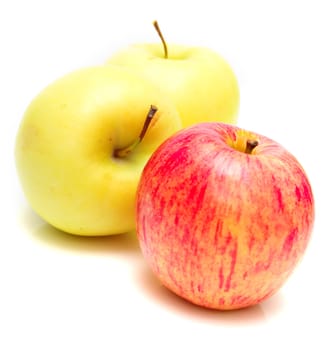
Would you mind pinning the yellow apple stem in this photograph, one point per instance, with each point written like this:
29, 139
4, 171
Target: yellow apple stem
125, 151
156, 26
251, 144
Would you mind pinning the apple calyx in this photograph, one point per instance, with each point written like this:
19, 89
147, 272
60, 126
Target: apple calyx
250, 145
125, 151
156, 26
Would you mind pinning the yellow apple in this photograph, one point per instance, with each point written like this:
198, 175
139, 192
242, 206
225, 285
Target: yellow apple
201, 83
78, 151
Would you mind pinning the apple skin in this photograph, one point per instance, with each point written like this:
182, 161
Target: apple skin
66, 141
201, 83
219, 227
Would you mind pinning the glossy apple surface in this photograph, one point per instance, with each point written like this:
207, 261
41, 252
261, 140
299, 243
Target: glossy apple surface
223, 215
65, 148
201, 83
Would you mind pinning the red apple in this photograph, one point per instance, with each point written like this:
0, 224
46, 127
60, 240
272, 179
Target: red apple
223, 215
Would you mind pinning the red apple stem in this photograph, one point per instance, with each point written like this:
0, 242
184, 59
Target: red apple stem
125, 151
157, 28
250, 145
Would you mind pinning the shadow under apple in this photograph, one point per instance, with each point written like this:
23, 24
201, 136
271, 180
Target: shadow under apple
127, 244
242, 317
47, 234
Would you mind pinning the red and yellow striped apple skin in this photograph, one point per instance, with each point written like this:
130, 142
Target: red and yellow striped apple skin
219, 227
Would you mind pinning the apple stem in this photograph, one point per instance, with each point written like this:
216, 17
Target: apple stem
152, 111
251, 144
125, 151
156, 26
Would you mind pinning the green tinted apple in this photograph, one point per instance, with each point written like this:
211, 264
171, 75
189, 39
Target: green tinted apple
201, 83
72, 153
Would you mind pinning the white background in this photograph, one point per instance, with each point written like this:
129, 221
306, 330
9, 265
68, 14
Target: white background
63, 292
